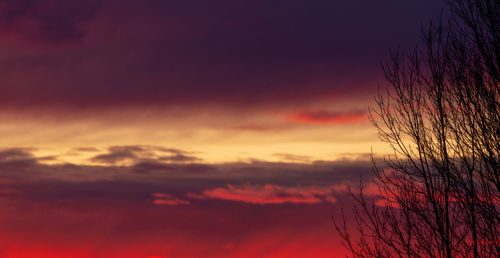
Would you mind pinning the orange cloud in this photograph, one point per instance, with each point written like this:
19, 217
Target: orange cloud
269, 194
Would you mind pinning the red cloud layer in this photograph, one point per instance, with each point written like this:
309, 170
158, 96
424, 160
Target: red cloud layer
122, 211
269, 194
133, 229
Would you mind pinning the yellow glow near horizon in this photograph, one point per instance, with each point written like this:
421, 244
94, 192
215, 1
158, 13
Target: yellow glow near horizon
318, 142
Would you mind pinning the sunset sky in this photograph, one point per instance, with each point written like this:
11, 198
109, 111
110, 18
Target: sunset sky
189, 128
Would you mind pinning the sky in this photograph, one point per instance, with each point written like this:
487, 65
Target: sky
194, 128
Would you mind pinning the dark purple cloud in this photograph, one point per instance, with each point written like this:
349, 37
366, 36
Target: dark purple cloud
16, 154
185, 52
142, 153
16, 158
46, 22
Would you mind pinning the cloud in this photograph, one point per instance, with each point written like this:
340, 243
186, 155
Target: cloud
179, 158
167, 199
255, 128
269, 194
106, 204
173, 169
21, 158
147, 163
168, 53
142, 154
329, 117
150, 166
292, 157
46, 21
15, 154
116, 154
86, 149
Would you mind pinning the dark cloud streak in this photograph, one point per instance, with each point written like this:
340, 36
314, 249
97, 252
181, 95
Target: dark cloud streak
236, 53
141, 153
45, 22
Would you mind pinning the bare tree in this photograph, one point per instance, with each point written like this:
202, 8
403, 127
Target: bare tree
439, 195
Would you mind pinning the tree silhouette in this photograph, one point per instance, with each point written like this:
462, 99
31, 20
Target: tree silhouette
439, 195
